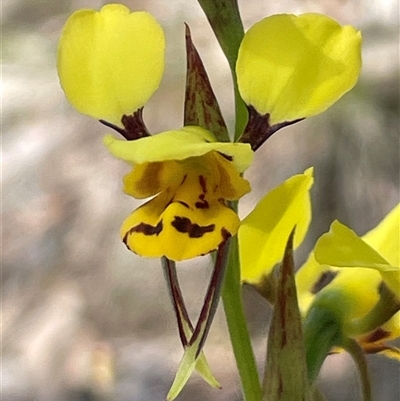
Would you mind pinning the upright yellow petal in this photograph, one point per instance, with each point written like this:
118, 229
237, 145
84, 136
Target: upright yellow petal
263, 233
297, 66
110, 62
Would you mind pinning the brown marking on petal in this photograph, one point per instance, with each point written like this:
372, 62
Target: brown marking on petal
225, 234
377, 335
183, 204
185, 226
227, 157
203, 184
125, 240
146, 229
323, 281
202, 204
184, 179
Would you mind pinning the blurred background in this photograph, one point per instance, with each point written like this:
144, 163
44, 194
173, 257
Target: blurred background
83, 318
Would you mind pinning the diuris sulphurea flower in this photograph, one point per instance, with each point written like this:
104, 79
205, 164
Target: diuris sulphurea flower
191, 177
110, 63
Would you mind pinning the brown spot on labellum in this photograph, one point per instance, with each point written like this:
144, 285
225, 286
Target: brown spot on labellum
185, 226
377, 335
184, 204
225, 234
323, 281
203, 184
202, 204
146, 229
227, 157
125, 240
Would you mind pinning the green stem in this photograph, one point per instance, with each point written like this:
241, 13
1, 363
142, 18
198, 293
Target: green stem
352, 347
240, 339
224, 18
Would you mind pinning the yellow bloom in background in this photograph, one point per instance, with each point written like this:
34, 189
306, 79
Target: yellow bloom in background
293, 67
344, 275
191, 177
264, 232
110, 61
377, 250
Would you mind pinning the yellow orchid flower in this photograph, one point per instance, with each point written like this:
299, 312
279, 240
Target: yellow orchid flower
110, 61
344, 275
292, 67
192, 177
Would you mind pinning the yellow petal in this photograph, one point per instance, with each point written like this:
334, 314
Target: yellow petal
384, 238
149, 179
178, 145
110, 62
263, 233
228, 182
342, 247
297, 66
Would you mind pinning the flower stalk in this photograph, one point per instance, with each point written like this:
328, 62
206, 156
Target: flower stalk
237, 326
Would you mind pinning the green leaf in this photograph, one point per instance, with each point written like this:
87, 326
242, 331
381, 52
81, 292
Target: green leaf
201, 105
285, 377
